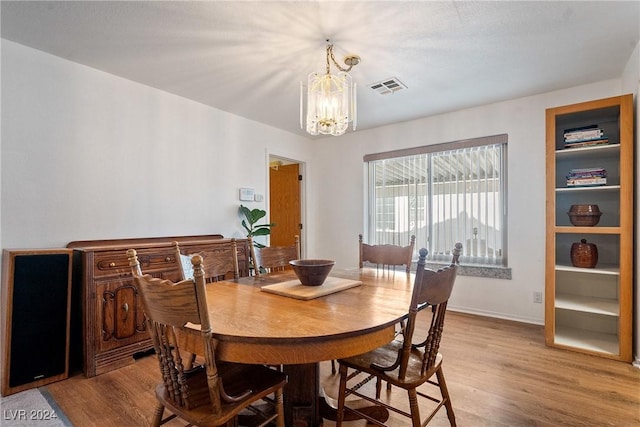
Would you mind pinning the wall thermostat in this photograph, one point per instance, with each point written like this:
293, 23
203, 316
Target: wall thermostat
247, 194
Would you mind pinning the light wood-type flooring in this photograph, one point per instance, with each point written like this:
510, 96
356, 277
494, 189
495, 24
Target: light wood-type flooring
499, 373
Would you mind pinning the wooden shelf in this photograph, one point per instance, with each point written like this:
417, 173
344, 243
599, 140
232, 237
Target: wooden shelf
571, 229
610, 270
589, 341
603, 306
588, 189
593, 151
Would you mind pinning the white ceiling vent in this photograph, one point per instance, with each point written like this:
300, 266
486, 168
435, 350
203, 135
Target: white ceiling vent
390, 85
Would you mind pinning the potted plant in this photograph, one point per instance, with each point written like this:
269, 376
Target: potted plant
250, 223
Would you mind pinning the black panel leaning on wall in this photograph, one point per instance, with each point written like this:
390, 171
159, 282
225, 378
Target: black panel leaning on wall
36, 305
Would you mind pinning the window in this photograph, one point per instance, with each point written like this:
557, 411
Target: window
442, 194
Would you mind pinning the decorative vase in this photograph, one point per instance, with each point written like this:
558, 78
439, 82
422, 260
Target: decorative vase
584, 215
583, 254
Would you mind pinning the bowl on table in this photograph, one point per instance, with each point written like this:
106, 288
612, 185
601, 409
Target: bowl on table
312, 272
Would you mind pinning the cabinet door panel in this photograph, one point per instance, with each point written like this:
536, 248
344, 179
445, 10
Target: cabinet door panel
120, 315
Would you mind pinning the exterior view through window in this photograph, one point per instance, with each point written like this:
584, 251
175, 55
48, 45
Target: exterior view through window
442, 194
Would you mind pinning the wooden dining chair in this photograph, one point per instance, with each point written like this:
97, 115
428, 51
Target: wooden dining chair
212, 394
270, 259
387, 256
402, 363
219, 261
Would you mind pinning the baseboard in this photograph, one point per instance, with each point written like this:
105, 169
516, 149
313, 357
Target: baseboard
635, 363
496, 315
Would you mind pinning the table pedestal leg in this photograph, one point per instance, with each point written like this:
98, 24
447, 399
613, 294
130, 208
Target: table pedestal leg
376, 412
303, 405
301, 395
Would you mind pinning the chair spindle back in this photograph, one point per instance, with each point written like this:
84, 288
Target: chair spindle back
275, 258
168, 308
431, 289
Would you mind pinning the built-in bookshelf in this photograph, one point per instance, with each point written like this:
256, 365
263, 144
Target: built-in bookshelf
590, 165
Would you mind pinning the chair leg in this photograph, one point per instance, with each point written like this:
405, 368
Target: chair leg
415, 410
341, 395
279, 408
445, 396
333, 367
157, 415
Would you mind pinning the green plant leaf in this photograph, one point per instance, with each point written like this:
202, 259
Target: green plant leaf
245, 211
261, 232
249, 223
256, 215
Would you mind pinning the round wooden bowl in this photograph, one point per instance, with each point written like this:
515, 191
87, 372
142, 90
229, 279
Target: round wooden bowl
312, 272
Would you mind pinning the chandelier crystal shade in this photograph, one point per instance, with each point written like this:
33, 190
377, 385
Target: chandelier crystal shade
331, 99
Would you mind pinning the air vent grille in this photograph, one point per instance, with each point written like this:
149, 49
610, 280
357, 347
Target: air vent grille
386, 86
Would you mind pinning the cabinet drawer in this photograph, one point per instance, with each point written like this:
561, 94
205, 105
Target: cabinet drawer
116, 263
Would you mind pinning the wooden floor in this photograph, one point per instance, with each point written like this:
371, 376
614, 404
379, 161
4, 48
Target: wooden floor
499, 373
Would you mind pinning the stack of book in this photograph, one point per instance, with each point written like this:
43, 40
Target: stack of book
584, 137
587, 177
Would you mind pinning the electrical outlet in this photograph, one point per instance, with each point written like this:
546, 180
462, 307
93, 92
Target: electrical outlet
537, 297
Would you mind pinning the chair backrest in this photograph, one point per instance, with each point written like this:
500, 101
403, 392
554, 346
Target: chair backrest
387, 255
430, 289
274, 258
218, 261
168, 307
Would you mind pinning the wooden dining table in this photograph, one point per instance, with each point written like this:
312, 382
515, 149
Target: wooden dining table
253, 326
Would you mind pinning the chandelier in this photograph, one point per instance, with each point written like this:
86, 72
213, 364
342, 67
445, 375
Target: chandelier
331, 98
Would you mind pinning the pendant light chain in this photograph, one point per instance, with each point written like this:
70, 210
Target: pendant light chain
330, 54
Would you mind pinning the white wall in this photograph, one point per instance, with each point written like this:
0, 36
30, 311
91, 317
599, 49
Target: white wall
88, 155
338, 201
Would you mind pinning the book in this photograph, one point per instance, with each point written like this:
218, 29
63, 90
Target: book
581, 128
586, 143
588, 171
584, 136
585, 182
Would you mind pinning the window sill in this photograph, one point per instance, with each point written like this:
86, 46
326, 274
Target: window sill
490, 271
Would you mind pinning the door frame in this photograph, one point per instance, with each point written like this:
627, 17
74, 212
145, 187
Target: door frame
271, 157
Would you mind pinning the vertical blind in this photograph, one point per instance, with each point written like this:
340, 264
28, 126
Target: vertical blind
454, 192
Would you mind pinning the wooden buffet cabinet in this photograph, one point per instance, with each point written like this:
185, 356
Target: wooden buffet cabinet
113, 327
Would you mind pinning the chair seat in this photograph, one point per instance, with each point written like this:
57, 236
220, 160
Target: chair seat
237, 378
386, 356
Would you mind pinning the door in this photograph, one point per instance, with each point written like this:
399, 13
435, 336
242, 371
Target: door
284, 203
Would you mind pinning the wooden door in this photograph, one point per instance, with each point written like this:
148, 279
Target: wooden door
284, 204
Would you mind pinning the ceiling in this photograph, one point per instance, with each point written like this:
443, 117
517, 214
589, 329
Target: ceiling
249, 57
